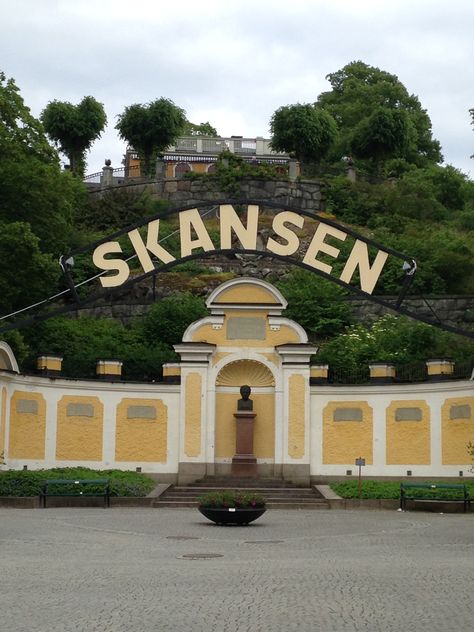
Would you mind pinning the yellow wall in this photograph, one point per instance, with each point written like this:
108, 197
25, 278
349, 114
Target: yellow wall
3, 419
408, 442
296, 416
456, 433
345, 441
264, 424
27, 430
139, 439
79, 438
192, 422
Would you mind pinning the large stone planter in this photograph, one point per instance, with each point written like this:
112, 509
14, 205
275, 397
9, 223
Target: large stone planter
232, 515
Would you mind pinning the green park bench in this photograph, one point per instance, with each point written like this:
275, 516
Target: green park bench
434, 492
98, 487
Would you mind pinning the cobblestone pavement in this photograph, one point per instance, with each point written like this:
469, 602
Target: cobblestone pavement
123, 570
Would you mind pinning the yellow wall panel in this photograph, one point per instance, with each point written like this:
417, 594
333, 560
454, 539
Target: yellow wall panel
27, 429
192, 422
296, 416
345, 441
79, 438
264, 424
138, 438
3, 422
456, 433
408, 442
246, 293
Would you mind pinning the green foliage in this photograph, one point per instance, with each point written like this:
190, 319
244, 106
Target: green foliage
82, 341
316, 304
303, 130
168, 319
33, 188
116, 209
231, 169
394, 339
143, 346
384, 134
149, 129
25, 266
203, 129
74, 128
30, 482
230, 498
391, 490
361, 93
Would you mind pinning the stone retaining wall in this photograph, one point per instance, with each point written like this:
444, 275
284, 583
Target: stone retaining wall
305, 195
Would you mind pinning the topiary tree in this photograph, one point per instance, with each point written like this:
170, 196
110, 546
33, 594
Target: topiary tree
74, 128
151, 128
305, 131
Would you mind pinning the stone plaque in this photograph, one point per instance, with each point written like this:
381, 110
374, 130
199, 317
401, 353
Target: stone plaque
141, 412
348, 414
29, 406
79, 410
242, 328
460, 412
408, 414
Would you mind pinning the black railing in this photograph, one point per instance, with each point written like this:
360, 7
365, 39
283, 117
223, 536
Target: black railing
411, 373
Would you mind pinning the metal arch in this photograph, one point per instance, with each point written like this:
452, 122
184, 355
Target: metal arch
409, 266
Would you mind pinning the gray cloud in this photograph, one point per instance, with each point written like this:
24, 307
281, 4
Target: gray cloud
234, 63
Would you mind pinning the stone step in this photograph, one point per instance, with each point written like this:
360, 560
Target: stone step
279, 497
226, 482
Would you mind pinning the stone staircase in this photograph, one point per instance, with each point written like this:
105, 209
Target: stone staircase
279, 494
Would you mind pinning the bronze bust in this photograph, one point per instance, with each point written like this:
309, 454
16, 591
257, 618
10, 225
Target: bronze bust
245, 403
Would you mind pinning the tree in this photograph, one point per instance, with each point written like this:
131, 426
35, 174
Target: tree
151, 128
33, 187
303, 130
384, 134
28, 275
316, 304
74, 128
360, 90
203, 129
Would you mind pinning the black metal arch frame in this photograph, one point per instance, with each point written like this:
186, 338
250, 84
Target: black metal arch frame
409, 265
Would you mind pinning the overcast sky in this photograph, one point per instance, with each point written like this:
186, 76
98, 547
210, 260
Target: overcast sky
234, 62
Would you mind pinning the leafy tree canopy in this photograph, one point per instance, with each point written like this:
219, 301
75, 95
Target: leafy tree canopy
203, 129
149, 129
361, 93
28, 275
74, 128
33, 188
316, 304
303, 130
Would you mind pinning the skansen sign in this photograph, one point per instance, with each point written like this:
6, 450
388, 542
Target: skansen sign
318, 250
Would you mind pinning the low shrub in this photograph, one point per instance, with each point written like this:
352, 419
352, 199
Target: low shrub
390, 490
30, 482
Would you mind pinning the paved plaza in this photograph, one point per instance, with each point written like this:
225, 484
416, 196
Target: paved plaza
123, 570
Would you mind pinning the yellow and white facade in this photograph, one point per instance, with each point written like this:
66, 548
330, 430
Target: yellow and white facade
184, 428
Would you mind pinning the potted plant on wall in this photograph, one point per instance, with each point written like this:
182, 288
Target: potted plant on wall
232, 507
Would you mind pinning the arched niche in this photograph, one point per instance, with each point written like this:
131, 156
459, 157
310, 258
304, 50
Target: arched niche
7, 358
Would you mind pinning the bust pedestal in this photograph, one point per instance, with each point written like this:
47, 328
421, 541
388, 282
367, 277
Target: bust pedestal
244, 462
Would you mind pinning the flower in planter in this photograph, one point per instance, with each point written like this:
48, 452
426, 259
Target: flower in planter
231, 498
